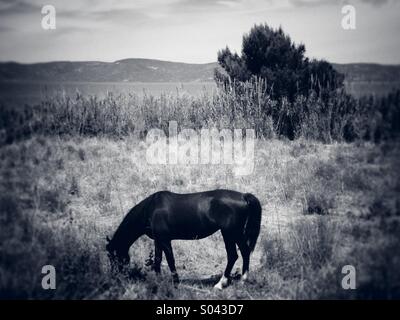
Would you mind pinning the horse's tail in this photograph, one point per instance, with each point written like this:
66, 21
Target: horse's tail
253, 222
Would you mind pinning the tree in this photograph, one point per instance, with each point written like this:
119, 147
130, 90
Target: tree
270, 54
322, 78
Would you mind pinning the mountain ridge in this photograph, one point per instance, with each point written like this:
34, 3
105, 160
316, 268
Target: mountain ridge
153, 70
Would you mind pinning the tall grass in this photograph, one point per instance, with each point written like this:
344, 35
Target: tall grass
334, 116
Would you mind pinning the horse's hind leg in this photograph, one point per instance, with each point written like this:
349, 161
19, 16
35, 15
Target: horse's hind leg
245, 252
230, 247
166, 246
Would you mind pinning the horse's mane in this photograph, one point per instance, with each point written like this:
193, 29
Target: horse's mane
132, 223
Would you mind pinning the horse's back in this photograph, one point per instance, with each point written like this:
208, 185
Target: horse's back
199, 202
196, 215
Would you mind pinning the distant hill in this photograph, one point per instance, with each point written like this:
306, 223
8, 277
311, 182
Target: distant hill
128, 70
360, 78
369, 72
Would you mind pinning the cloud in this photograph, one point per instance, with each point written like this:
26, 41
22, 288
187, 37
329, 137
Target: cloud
376, 3
314, 3
5, 28
204, 5
11, 7
73, 16
87, 9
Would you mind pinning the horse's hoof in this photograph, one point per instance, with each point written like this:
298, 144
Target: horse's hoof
244, 277
218, 286
222, 283
175, 279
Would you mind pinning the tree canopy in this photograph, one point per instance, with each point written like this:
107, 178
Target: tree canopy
271, 54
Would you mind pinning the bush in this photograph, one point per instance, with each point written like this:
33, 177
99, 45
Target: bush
271, 55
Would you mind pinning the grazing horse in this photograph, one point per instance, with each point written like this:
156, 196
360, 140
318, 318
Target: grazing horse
166, 216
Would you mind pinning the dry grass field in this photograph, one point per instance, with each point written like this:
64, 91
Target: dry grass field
324, 206
79, 120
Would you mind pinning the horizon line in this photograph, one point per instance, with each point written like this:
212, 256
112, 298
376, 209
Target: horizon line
169, 61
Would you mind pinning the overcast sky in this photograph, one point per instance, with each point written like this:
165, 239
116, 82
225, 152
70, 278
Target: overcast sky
193, 30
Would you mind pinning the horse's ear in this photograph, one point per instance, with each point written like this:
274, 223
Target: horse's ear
108, 239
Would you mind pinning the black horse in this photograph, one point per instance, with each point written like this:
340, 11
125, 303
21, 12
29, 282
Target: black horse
165, 216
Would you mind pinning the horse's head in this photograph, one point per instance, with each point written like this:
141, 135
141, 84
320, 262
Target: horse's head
118, 259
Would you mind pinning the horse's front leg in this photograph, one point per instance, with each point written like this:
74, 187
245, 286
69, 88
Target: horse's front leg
167, 248
158, 257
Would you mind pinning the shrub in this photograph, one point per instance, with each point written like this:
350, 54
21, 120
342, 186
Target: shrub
271, 55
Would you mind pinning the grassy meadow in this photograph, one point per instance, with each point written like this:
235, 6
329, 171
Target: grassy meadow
324, 206
71, 169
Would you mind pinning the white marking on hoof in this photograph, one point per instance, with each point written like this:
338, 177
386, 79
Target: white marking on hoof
244, 277
223, 282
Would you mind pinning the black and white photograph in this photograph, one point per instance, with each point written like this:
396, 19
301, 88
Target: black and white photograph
225, 150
